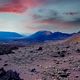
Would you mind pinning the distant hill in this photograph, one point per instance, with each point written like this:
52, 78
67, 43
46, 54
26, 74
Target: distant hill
41, 36
9, 35
74, 38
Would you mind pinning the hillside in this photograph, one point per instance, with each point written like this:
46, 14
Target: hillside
8, 36
42, 36
74, 38
43, 61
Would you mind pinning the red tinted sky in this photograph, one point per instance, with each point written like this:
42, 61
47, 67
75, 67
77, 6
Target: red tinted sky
27, 16
17, 5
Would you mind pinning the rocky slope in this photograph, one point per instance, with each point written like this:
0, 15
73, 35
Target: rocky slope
45, 61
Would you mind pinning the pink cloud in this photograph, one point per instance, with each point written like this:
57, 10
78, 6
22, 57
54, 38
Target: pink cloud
18, 5
65, 25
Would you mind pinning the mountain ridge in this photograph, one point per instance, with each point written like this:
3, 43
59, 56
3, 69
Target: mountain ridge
9, 35
42, 36
39, 36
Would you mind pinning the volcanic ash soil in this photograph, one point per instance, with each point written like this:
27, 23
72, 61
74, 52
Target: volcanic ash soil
43, 61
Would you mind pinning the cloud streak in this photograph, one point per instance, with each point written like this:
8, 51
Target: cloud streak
51, 14
17, 5
34, 15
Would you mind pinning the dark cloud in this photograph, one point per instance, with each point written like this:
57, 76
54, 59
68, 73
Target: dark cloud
45, 14
3, 2
51, 14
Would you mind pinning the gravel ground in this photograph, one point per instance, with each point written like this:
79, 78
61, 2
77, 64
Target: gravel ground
45, 61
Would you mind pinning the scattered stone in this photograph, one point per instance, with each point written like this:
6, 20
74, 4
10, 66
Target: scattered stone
39, 49
61, 53
77, 76
31, 51
78, 50
63, 73
68, 47
0, 59
5, 64
33, 70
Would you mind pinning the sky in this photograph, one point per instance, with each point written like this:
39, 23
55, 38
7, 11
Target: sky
29, 16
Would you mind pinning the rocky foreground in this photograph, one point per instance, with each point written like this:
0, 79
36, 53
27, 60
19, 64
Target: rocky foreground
43, 61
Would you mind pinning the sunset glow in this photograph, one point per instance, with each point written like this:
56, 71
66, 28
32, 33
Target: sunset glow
28, 16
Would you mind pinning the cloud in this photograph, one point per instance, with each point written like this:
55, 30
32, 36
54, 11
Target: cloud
11, 6
17, 5
47, 14
34, 15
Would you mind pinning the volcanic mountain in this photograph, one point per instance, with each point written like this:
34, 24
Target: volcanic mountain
9, 35
41, 36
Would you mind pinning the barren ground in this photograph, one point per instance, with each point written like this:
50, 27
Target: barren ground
45, 61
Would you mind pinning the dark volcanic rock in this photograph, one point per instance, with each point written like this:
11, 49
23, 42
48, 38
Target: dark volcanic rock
59, 54
7, 49
62, 53
5, 65
64, 73
9, 75
40, 48
55, 74
2, 72
78, 50
33, 70
0, 59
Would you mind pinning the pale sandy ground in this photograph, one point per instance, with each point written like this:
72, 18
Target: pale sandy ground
45, 64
